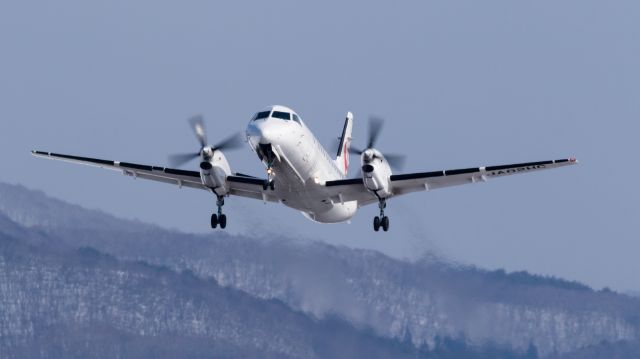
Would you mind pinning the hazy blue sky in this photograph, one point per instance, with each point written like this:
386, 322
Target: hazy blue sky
461, 83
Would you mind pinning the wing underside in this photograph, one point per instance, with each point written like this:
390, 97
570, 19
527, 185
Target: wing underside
250, 187
411, 182
155, 173
344, 190
354, 189
239, 184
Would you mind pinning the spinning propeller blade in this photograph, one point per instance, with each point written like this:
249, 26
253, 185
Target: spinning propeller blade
232, 142
197, 125
178, 160
396, 161
375, 127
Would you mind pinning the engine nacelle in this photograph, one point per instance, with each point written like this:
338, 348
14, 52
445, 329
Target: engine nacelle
214, 173
376, 173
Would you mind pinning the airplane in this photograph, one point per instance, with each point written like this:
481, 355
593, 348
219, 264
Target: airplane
300, 173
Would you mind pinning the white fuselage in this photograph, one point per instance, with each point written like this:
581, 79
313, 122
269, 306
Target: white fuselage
300, 165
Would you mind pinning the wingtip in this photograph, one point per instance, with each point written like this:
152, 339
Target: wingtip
574, 160
39, 153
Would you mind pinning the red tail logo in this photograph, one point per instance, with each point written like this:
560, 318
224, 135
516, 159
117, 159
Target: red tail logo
345, 154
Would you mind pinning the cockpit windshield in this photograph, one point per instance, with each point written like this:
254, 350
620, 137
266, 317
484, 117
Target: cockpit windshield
281, 115
261, 115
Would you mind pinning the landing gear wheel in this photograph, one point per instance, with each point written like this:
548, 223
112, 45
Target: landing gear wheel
384, 222
270, 174
376, 223
219, 218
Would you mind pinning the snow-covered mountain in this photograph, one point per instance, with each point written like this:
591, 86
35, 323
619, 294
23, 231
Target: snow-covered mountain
396, 304
86, 304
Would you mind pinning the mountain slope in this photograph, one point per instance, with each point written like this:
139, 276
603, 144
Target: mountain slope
419, 302
88, 304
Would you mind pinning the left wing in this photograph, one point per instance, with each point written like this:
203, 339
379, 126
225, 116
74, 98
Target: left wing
354, 189
412, 182
346, 190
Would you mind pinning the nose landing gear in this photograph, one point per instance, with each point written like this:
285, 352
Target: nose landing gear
382, 220
219, 218
269, 183
268, 156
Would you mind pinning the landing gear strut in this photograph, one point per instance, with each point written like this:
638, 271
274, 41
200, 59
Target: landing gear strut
382, 220
269, 183
268, 156
219, 218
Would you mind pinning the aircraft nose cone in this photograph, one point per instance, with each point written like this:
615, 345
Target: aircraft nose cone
261, 133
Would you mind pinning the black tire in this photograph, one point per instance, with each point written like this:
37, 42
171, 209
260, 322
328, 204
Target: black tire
214, 220
223, 221
272, 185
265, 186
385, 223
376, 223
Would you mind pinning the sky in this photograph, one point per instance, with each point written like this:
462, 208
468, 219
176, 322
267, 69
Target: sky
460, 84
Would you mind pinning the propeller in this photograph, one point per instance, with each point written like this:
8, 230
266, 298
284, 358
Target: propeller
375, 127
197, 125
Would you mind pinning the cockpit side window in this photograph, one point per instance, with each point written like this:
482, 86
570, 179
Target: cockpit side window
281, 115
296, 118
261, 115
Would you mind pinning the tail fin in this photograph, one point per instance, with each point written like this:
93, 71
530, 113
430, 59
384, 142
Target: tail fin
342, 158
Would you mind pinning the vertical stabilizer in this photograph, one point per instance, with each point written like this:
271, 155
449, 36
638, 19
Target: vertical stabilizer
342, 158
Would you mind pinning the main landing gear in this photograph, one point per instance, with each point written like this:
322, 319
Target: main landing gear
219, 218
382, 220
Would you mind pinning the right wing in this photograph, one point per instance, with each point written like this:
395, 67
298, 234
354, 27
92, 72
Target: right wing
154, 173
239, 184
